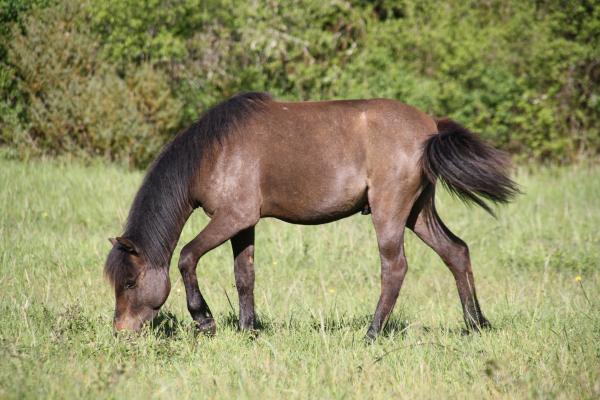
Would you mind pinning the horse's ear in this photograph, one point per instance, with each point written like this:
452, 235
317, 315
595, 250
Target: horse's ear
113, 241
125, 244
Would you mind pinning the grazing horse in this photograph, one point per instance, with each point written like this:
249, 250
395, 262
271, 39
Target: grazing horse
252, 157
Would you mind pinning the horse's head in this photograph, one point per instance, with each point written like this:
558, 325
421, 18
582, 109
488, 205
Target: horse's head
140, 289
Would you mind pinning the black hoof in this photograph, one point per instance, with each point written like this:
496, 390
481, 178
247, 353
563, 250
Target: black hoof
252, 334
370, 337
247, 326
485, 324
207, 326
482, 324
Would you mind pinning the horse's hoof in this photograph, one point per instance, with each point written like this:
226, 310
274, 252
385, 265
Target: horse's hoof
251, 333
247, 327
207, 326
476, 327
485, 324
370, 337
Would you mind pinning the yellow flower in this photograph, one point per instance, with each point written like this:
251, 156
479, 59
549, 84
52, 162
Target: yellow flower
331, 290
578, 278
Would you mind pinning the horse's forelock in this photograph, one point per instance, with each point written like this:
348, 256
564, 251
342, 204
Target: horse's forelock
116, 268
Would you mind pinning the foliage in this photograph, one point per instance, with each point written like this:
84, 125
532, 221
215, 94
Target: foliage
145, 31
526, 75
78, 104
12, 105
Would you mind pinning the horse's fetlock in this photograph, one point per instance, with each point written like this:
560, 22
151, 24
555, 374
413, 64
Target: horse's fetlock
194, 307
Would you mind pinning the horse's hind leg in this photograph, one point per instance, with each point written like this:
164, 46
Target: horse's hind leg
455, 254
389, 221
222, 227
242, 245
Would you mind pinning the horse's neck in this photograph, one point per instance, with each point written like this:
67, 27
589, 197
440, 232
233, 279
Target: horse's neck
177, 234
163, 204
156, 222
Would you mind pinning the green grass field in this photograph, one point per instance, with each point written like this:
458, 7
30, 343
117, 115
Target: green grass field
315, 292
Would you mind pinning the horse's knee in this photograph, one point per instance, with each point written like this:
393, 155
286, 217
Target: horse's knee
402, 268
187, 261
395, 270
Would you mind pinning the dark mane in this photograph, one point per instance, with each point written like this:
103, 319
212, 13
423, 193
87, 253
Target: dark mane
163, 202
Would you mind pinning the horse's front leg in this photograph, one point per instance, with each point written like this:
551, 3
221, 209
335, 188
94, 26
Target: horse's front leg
222, 227
242, 245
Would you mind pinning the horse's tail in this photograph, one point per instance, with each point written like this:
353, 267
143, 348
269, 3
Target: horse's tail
469, 168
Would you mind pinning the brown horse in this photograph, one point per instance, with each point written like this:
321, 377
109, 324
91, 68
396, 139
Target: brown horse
251, 157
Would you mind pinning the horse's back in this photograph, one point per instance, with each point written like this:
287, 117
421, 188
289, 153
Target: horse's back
312, 162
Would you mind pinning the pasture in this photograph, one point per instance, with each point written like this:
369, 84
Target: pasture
537, 269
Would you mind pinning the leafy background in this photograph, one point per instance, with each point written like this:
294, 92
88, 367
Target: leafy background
117, 78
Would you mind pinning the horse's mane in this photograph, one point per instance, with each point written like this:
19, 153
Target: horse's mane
163, 201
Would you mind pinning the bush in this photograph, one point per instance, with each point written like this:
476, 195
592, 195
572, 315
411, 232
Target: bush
77, 104
118, 78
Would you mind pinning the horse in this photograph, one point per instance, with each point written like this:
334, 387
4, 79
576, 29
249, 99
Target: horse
253, 157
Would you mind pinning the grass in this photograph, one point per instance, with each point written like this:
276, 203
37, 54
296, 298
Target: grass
316, 290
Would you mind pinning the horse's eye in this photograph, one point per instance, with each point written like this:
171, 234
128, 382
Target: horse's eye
130, 284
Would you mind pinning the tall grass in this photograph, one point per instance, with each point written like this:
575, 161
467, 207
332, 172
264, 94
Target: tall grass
316, 290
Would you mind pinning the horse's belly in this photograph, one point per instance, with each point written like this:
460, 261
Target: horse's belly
315, 198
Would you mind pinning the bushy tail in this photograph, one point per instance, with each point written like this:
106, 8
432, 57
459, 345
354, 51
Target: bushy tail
469, 168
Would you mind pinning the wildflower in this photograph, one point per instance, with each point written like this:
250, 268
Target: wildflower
578, 280
331, 290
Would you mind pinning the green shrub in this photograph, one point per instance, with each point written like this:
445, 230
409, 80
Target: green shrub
77, 104
12, 105
118, 78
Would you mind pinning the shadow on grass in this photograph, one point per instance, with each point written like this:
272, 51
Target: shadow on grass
168, 325
263, 325
455, 331
395, 325
329, 324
